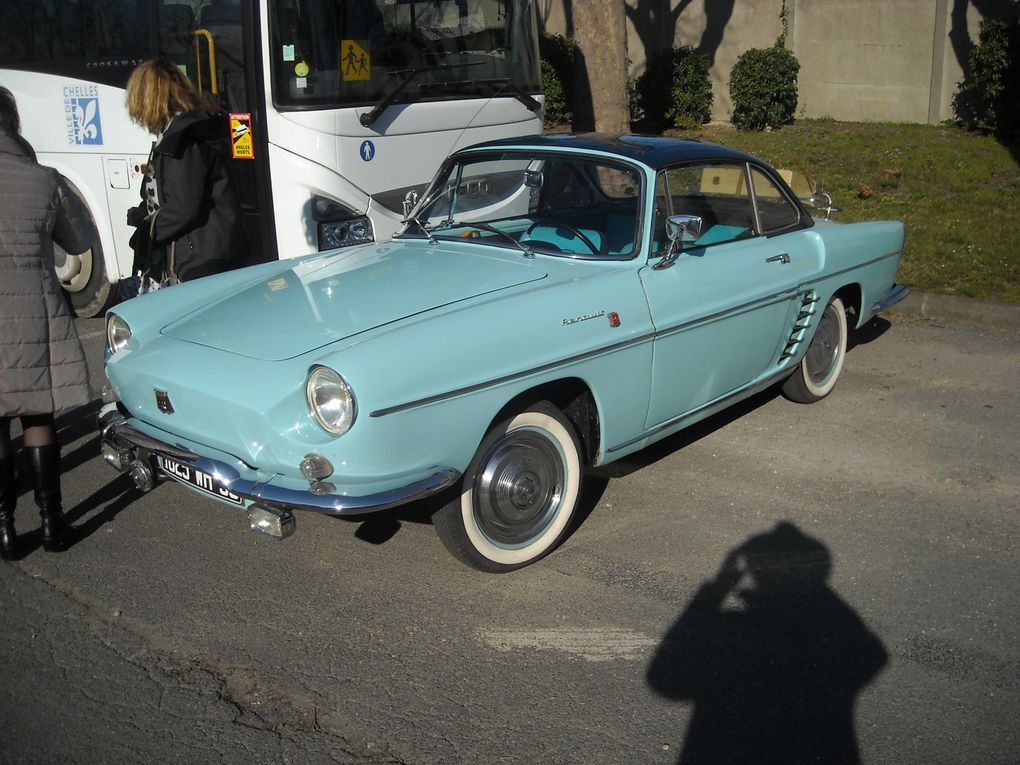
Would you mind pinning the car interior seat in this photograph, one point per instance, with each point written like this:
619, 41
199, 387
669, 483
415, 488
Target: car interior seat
563, 239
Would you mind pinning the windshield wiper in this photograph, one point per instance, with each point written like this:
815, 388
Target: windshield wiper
500, 83
486, 227
368, 118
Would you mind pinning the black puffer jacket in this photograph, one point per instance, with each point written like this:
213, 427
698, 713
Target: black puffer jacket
42, 367
199, 218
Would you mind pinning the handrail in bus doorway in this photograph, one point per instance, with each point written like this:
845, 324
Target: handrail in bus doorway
211, 47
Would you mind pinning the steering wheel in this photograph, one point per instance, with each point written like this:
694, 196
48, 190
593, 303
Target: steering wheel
560, 224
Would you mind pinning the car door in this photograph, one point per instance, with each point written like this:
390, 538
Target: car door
724, 307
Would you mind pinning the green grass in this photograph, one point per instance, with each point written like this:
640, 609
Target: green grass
957, 193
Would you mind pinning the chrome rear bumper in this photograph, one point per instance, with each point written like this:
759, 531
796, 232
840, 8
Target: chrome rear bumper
895, 294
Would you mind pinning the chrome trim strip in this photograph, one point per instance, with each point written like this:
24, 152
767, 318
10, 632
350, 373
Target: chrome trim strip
854, 268
720, 403
227, 477
512, 376
743, 308
777, 297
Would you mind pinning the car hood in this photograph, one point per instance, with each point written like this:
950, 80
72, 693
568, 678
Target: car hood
326, 298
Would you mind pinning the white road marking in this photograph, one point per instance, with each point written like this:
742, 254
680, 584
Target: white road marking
595, 644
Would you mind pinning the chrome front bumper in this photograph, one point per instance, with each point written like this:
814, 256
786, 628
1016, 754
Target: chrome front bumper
128, 449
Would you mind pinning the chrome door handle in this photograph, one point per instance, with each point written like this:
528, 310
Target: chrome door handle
780, 258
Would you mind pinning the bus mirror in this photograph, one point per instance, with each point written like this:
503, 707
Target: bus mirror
410, 201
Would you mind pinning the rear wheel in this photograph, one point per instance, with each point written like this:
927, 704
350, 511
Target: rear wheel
83, 276
818, 371
519, 494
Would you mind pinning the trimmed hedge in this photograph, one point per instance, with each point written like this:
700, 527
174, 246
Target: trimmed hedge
763, 88
674, 91
987, 98
557, 59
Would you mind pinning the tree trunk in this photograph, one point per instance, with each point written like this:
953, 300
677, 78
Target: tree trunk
600, 31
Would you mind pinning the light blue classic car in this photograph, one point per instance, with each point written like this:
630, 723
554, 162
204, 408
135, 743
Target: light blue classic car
555, 303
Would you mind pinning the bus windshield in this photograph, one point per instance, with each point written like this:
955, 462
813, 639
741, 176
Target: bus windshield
358, 52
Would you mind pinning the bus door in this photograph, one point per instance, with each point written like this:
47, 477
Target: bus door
216, 48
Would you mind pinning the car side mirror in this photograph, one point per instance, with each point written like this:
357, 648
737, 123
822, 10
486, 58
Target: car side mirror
681, 230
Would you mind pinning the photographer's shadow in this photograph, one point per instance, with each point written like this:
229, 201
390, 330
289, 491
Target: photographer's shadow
770, 657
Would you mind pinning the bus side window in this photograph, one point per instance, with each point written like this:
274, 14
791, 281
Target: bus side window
176, 35
222, 19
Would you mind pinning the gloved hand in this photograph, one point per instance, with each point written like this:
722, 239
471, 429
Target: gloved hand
136, 215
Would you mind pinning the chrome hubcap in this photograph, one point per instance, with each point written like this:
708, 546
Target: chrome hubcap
519, 489
824, 349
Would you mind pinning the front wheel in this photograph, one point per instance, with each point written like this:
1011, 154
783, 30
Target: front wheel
519, 494
818, 371
83, 277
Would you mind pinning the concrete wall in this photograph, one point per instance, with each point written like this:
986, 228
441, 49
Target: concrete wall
861, 60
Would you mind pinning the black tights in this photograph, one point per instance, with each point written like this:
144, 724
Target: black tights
39, 431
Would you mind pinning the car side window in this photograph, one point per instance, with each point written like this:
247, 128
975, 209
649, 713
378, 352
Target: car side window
717, 193
775, 209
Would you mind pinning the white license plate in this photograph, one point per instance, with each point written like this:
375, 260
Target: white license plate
197, 479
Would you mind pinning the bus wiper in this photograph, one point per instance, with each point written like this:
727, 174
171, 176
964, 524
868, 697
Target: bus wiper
368, 118
501, 83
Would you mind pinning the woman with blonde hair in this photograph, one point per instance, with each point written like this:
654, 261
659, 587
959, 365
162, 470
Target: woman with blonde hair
189, 221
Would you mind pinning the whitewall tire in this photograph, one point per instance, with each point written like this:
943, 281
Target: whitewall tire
818, 371
519, 494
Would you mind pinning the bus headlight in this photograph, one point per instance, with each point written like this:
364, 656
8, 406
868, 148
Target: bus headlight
117, 333
330, 400
344, 233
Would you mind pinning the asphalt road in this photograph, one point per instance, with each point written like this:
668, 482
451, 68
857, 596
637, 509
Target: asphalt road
879, 614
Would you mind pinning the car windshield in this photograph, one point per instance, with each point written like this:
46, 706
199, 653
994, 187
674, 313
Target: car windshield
565, 205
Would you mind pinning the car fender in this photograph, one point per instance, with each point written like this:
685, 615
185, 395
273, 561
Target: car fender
435, 383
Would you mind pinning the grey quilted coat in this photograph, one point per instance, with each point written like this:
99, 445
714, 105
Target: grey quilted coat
42, 366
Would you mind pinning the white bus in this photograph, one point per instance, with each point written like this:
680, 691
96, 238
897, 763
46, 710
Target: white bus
339, 108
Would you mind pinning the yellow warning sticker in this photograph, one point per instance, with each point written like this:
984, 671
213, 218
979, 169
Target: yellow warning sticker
355, 60
241, 144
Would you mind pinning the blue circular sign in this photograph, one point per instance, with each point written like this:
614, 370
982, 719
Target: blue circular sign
367, 150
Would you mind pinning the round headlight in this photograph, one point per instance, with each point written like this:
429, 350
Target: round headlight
117, 333
330, 400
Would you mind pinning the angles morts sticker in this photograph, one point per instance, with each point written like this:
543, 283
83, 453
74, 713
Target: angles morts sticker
241, 144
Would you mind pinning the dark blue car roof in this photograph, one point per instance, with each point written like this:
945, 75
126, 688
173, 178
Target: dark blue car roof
655, 151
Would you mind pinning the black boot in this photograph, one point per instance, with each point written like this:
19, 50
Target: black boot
44, 469
8, 501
